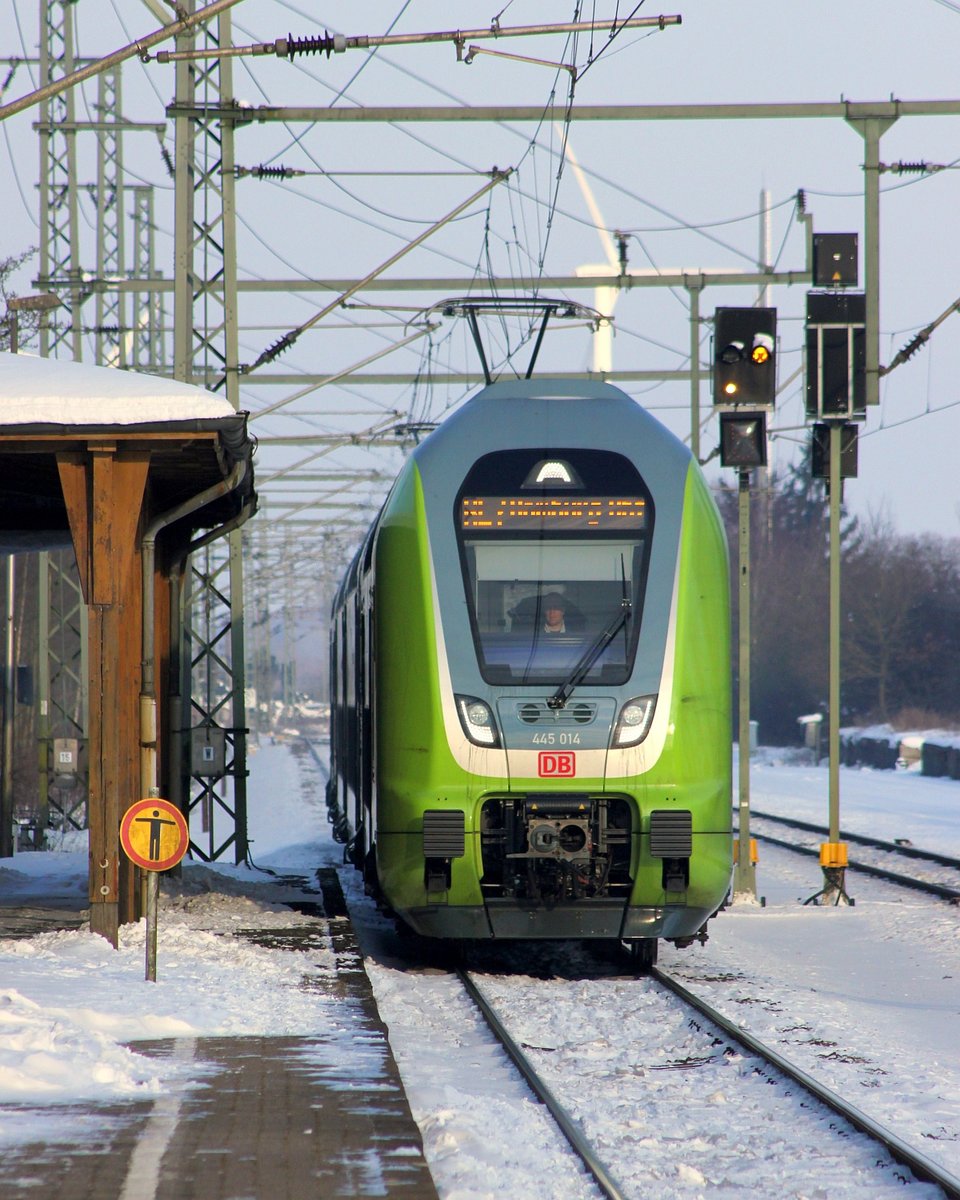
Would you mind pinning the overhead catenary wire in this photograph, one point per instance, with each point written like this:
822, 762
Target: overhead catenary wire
332, 378
919, 339
366, 62
531, 143
288, 339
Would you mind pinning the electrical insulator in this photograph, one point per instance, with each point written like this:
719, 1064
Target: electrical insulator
328, 43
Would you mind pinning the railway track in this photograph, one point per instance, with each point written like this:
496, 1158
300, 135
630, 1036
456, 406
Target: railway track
921, 1166
565, 1123
706, 1043
721, 1032
942, 864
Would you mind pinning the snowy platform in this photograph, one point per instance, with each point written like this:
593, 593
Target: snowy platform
280, 1117
321, 1113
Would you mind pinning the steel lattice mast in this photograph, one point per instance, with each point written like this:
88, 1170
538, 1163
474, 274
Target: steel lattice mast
205, 352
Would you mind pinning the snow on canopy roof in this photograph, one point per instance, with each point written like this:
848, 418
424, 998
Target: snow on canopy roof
48, 391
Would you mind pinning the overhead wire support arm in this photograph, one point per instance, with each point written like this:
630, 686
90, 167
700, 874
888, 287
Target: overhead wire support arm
919, 340
288, 339
337, 43
327, 379
473, 51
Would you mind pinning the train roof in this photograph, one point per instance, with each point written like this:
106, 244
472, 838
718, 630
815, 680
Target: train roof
561, 412
546, 387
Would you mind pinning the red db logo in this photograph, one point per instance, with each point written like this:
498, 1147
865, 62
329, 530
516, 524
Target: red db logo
553, 764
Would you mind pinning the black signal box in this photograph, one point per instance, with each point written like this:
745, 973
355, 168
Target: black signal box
836, 355
743, 440
820, 451
835, 260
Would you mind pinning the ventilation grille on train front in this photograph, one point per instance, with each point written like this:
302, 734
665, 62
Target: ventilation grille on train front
443, 834
671, 834
534, 712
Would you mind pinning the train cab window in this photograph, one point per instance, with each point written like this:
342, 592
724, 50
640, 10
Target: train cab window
550, 568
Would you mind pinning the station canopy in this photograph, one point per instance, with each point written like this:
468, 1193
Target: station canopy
51, 408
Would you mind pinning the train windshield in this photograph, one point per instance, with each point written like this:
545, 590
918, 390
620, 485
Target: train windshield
552, 546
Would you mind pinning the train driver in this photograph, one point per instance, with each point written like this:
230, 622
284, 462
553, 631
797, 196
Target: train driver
554, 611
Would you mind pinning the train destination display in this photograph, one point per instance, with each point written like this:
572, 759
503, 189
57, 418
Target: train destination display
557, 512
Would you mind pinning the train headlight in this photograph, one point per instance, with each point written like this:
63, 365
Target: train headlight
477, 720
636, 717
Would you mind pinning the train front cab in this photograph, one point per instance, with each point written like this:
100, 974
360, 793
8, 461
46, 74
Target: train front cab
556, 786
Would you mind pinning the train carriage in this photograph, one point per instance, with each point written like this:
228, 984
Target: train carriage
530, 678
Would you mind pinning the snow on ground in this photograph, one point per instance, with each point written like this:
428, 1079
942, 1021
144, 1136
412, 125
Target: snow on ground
882, 804
69, 1002
866, 998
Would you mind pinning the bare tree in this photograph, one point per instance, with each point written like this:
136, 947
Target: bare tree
28, 322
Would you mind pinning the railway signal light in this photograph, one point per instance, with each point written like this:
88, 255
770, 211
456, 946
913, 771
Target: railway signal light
743, 440
834, 260
745, 357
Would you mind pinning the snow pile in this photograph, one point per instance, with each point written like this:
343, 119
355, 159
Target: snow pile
40, 391
45, 1053
69, 1001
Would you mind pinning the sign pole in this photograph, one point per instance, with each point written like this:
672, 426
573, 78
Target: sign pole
153, 891
745, 873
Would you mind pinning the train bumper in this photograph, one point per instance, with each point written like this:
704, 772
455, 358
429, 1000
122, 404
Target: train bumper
506, 919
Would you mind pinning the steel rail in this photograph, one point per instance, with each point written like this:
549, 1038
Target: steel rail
922, 1167
318, 759
907, 881
861, 839
580, 1146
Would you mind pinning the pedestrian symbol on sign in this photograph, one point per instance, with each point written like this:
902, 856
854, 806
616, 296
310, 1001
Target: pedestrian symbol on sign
156, 823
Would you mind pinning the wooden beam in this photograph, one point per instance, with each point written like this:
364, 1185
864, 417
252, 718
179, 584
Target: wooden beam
104, 493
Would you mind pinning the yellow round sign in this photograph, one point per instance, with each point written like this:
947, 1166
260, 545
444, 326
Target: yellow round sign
154, 834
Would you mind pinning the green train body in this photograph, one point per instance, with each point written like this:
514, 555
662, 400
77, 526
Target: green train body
494, 778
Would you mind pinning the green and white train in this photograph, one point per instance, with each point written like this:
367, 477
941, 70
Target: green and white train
530, 678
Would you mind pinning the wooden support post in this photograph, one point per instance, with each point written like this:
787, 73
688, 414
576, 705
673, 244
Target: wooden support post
104, 489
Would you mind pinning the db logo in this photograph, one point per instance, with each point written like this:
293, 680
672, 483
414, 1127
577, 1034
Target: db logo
552, 764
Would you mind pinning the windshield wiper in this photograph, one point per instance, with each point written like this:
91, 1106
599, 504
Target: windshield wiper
590, 655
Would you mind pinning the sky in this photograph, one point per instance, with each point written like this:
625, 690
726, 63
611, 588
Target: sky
686, 195
814, 982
